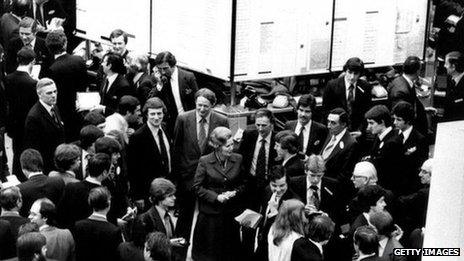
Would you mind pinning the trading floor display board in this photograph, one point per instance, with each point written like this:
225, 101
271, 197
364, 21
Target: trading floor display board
380, 32
277, 38
95, 20
197, 32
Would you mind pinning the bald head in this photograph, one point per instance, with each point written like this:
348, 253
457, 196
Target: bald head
364, 173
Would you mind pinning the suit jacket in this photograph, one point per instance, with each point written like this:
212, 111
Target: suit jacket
70, 75
13, 222
454, 102
7, 241
294, 167
388, 252
40, 186
144, 161
21, 95
329, 194
186, 150
305, 250
60, 243
42, 133
9, 26
335, 97
400, 90
118, 88
73, 206
96, 239
341, 161
387, 156
317, 135
211, 180
415, 151
43, 56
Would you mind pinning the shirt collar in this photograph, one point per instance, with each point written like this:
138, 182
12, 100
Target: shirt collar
340, 135
366, 216
318, 185
384, 133
299, 125
33, 43
285, 161
406, 133
347, 84
319, 245
362, 256
112, 78
23, 68
382, 244
32, 174
411, 84
458, 77
175, 73
98, 216
161, 211
93, 180
207, 118
9, 213
154, 130
267, 138
71, 173
60, 54
46, 106
43, 227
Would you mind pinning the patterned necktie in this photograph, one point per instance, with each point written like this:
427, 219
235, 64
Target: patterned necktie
328, 149
350, 99
315, 196
261, 161
163, 151
54, 116
202, 135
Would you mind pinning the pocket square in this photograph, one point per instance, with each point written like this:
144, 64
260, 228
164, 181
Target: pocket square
51, 12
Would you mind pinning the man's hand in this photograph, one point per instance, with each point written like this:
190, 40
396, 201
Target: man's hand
178, 242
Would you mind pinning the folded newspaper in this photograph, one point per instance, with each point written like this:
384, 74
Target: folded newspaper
249, 218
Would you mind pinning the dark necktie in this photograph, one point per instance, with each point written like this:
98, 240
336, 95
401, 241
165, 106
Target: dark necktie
260, 170
202, 135
350, 99
168, 225
168, 98
38, 15
301, 138
105, 87
55, 116
164, 152
401, 135
316, 198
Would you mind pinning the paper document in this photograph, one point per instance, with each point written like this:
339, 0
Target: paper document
87, 100
249, 218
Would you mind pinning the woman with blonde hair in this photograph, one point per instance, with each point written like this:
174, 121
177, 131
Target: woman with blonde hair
287, 228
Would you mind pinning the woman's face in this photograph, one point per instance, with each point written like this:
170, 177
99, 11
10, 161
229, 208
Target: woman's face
226, 149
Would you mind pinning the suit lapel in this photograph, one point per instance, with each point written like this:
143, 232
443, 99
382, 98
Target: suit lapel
149, 135
48, 116
341, 91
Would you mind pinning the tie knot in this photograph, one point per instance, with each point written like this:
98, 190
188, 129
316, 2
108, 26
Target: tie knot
203, 120
351, 87
160, 132
263, 141
314, 187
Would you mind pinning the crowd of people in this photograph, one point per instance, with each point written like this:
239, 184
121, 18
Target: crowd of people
153, 170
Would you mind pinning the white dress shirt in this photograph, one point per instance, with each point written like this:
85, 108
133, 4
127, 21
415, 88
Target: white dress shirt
154, 132
347, 89
176, 90
111, 79
256, 152
307, 129
198, 119
406, 134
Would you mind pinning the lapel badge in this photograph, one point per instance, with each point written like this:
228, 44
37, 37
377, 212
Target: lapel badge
342, 145
381, 145
317, 142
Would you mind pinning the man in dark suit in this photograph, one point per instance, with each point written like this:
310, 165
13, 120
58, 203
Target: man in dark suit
315, 190
454, 101
387, 150
9, 22
27, 37
318, 232
7, 241
340, 148
403, 88
415, 145
350, 93
311, 134
190, 143
176, 87
149, 152
257, 148
74, 206
366, 243
70, 75
38, 185
95, 237
11, 202
287, 147
44, 129
273, 196
21, 95
115, 84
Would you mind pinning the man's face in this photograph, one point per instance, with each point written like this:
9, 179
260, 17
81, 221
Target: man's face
425, 174
263, 125
359, 181
169, 201
155, 117
399, 123
105, 65
304, 114
203, 106
279, 186
135, 117
26, 35
48, 94
119, 46
374, 127
334, 125
35, 215
380, 205
351, 77
450, 68
165, 71
314, 178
